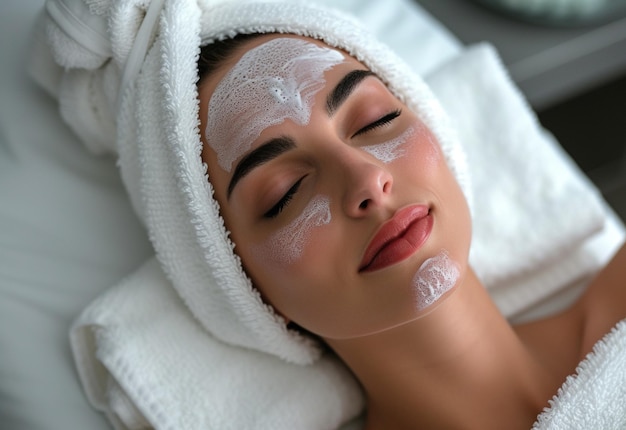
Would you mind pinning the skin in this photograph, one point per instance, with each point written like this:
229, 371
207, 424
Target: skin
456, 364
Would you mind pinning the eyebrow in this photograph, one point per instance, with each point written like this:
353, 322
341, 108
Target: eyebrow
344, 88
261, 155
277, 146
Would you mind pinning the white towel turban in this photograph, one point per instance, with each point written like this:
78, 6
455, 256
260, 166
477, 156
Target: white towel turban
130, 88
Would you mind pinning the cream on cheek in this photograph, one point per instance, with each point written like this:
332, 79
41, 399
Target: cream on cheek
287, 245
436, 276
393, 149
272, 82
415, 138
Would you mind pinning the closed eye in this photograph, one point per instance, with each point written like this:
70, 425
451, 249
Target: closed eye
284, 201
379, 122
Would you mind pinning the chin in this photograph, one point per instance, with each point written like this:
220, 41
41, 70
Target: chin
436, 277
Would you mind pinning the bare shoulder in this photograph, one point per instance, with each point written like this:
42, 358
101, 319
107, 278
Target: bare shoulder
562, 340
604, 302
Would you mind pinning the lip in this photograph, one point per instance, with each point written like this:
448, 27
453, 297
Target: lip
398, 238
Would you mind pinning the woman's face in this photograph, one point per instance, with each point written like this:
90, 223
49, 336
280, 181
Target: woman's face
338, 198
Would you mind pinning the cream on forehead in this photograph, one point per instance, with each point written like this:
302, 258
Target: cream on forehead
287, 244
272, 82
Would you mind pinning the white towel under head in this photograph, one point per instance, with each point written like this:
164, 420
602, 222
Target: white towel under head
146, 362
532, 207
158, 143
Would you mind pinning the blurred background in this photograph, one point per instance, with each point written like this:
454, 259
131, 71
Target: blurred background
569, 59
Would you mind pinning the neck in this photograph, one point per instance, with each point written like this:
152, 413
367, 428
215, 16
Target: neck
454, 364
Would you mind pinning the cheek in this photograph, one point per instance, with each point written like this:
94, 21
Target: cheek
427, 149
416, 150
415, 145
393, 149
286, 246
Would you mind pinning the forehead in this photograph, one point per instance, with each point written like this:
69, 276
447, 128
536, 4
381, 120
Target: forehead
210, 82
268, 80
230, 112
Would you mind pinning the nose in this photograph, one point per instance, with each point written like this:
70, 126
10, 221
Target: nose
367, 185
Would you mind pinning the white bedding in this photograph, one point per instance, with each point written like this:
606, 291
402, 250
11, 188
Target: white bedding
67, 232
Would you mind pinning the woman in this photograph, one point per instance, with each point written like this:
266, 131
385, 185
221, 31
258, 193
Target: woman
338, 179
351, 225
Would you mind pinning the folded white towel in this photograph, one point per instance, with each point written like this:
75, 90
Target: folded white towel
532, 206
143, 358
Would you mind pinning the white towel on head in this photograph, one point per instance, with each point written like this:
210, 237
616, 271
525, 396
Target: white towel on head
157, 139
165, 369
91, 40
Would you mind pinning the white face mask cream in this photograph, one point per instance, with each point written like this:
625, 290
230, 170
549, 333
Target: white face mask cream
392, 149
435, 277
273, 82
288, 243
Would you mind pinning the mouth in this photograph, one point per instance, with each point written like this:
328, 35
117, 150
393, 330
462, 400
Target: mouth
398, 238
